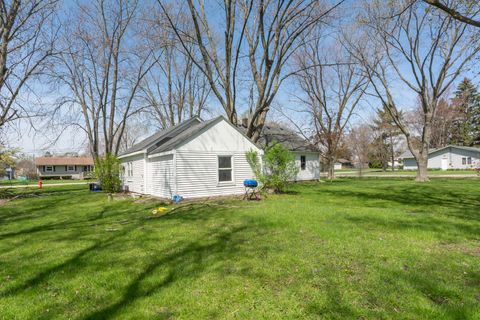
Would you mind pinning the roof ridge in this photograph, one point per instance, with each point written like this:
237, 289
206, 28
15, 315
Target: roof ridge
154, 138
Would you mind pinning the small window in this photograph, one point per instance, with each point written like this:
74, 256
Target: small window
303, 162
464, 161
70, 168
225, 169
469, 160
129, 169
48, 168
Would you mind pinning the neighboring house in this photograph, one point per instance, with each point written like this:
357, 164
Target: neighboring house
64, 167
306, 157
343, 164
396, 163
449, 157
192, 159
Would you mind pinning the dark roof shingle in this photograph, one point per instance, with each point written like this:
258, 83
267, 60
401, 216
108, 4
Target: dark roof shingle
274, 133
159, 138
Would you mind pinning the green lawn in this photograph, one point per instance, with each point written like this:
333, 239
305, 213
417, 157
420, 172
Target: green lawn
431, 173
351, 249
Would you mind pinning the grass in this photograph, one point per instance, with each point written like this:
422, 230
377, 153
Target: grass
431, 173
350, 249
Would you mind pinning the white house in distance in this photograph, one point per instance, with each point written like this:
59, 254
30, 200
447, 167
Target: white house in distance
64, 167
343, 164
193, 159
449, 157
307, 158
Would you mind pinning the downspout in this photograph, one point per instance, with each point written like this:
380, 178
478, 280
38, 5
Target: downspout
175, 184
145, 173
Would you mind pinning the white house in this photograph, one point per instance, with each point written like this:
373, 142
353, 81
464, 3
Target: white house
449, 157
342, 164
307, 158
64, 167
193, 159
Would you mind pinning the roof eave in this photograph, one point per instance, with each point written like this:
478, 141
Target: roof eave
132, 154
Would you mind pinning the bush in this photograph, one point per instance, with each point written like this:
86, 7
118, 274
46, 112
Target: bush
279, 167
107, 171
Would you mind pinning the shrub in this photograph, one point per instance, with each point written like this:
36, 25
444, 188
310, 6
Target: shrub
279, 167
107, 171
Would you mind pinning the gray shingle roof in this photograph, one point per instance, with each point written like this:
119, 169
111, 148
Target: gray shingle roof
161, 137
170, 138
274, 133
184, 135
408, 155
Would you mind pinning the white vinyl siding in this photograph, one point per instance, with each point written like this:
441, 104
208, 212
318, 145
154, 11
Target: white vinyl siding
197, 174
160, 175
312, 166
457, 158
134, 179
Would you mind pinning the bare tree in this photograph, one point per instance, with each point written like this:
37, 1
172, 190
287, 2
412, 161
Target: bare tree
26, 43
175, 88
422, 48
463, 10
101, 69
331, 87
272, 30
360, 139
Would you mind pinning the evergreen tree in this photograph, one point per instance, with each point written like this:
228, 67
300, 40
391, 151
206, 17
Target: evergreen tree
467, 100
385, 131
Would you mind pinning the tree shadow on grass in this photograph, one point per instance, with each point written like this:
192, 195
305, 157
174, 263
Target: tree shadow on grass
188, 261
335, 305
450, 302
188, 258
422, 201
72, 261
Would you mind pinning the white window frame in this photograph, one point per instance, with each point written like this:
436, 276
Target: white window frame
72, 170
464, 161
232, 181
47, 168
129, 169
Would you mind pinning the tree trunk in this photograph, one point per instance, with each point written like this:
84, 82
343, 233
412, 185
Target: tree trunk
393, 152
330, 168
422, 171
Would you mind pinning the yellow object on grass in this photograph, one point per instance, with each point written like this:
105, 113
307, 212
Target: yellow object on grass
159, 210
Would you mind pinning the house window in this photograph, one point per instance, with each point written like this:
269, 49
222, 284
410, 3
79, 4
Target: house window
70, 168
129, 169
225, 169
469, 160
303, 162
464, 161
48, 168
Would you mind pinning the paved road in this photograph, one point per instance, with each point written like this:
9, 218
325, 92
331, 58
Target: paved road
44, 185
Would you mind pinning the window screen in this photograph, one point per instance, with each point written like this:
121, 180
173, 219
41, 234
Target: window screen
224, 168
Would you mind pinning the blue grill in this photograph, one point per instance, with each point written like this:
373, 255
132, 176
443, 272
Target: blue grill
250, 183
